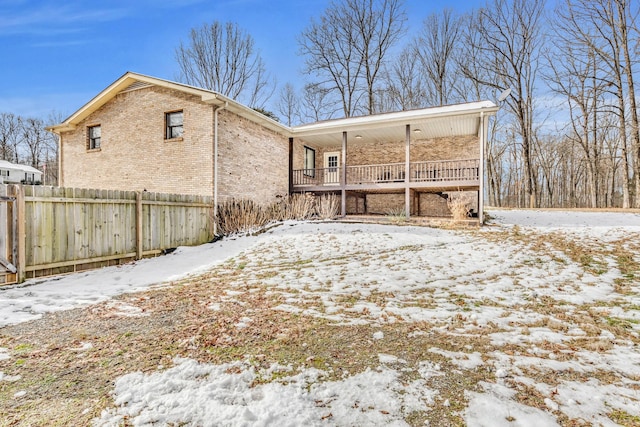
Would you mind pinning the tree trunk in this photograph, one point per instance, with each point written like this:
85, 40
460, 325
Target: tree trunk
631, 93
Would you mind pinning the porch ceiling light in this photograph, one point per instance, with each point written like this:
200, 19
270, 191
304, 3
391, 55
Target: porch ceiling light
358, 136
417, 131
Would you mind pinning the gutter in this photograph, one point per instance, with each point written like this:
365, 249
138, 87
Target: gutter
384, 120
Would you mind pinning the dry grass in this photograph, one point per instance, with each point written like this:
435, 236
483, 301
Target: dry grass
460, 205
397, 216
65, 386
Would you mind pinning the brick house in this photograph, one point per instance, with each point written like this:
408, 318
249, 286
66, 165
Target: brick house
145, 133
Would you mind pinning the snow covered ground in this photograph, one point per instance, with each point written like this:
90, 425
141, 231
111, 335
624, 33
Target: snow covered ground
530, 282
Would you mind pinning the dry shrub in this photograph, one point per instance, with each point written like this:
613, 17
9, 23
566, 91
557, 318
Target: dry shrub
297, 206
241, 216
460, 205
245, 216
300, 206
279, 211
327, 206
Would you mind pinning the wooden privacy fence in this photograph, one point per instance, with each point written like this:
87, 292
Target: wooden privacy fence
60, 230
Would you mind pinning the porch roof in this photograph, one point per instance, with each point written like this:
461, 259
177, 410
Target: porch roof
450, 120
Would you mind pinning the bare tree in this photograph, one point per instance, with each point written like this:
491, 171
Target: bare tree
32, 133
469, 86
626, 23
495, 152
380, 24
435, 47
405, 88
9, 137
223, 58
37, 144
24, 140
603, 27
317, 103
288, 105
507, 37
347, 48
575, 74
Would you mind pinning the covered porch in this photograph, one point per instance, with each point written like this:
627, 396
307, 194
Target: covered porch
411, 153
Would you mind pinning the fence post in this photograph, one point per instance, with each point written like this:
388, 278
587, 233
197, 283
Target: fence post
138, 225
21, 232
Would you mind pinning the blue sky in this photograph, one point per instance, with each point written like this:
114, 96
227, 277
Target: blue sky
58, 55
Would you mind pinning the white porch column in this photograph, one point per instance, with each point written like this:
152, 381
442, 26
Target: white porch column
483, 139
407, 171
343, 174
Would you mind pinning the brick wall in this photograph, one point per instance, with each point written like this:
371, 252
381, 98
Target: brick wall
134, 154
363, 153
432, 204
393, 204
450, 148
253, 161
298, 154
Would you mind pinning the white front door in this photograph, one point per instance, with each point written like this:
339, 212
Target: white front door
332, 168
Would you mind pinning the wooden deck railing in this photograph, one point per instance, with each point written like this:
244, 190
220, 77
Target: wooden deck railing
448, 170
369, 174
320, 176
428, 171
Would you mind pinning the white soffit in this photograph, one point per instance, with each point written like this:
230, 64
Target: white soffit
453, 120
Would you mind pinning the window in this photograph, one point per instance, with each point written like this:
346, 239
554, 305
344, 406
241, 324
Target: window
4, 173
93, 137
309, 162
174, 121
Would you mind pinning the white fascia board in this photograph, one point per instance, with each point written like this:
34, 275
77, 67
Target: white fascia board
390, 119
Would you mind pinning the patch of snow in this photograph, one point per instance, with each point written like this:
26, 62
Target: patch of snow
122, 309
84, 346
386, 359
557, 218
243, 323
378, 335
502, 373
589, 402
496, 408
33, 298
463, 360
4, 353
9, 378
195, 393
